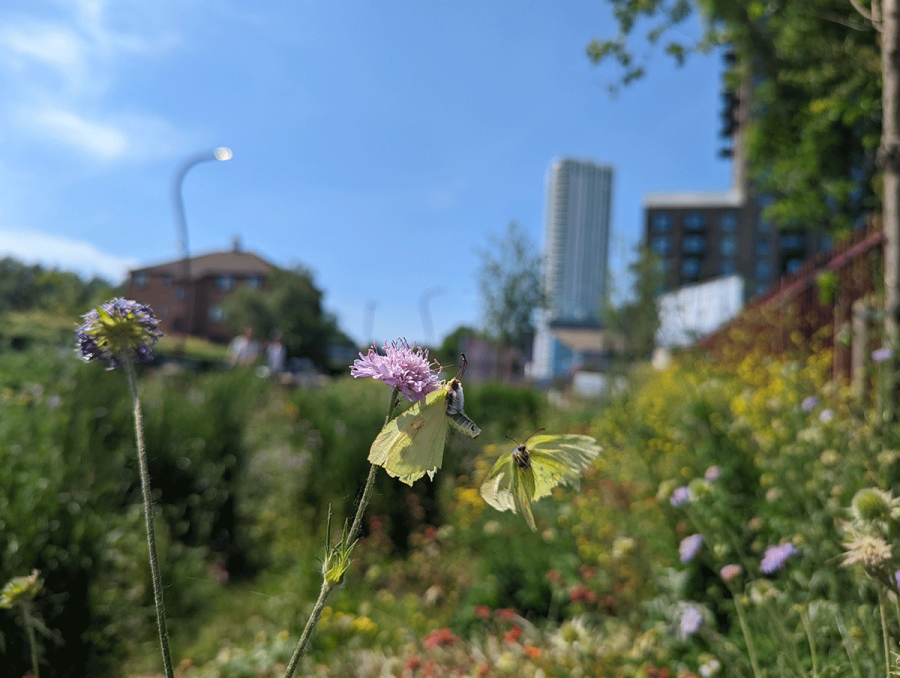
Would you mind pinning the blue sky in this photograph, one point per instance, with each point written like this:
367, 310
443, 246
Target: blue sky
380, 144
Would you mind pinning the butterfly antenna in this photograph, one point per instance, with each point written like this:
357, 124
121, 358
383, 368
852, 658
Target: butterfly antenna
533, 434
465, 363
516, 441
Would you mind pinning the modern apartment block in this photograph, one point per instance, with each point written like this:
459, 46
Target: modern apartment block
701, 236
576, 256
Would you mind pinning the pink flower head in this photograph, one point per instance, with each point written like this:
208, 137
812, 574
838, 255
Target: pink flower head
440, 638
880, 355
680, 497
730, 572
402, 366
713, 473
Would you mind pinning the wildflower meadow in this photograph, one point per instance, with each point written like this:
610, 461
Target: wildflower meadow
705, 520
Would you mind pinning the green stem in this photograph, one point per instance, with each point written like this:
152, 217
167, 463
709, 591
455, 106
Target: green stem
148, 519
884, 632
355, 529
751, 652
812, 644
32, 641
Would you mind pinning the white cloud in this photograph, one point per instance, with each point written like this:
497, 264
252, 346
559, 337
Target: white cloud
70, 128
54, 251
55, 46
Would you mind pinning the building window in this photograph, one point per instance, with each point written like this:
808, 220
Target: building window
662, 244
141, 280
255, 282
763, 270
694, 222
661, 223
178, 293
215, 313
762, 247
693, 244
690, 268
791, 242
165, 280
728, 246
225, 283
726, 267
793, 265
728, 223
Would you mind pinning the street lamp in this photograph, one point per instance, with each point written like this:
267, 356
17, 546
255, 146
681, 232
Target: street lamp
425, 311
222, 154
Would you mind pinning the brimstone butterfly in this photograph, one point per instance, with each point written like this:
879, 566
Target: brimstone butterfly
412, 444
534, 468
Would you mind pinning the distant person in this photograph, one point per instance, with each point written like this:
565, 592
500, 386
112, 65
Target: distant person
276, 354
243, 349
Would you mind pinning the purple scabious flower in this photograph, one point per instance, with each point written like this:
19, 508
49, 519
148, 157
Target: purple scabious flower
118, 331
690, 547
809, 403
826, 415
690, 622
713, 473
776, 556
680, 497
402, 366
880, 355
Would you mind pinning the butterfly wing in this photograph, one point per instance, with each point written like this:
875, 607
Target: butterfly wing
412, 444
510, 488
559, 460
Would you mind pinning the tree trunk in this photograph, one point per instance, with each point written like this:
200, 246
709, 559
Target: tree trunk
889, 156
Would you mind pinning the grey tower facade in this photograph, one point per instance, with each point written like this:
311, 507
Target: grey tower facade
576, 256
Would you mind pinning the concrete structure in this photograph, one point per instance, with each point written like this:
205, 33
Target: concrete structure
692, 312
576, 254
187, 296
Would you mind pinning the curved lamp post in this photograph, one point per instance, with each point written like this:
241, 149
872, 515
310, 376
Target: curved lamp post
222, 153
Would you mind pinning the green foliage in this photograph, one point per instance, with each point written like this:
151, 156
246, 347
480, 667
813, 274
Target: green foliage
812, 73
291, 303
511, 289
638, 318
24, 288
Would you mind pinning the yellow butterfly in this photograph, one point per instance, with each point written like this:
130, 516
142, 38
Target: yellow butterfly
412, 444
533, 470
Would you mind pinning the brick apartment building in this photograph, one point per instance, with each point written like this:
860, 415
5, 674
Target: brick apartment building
187, 295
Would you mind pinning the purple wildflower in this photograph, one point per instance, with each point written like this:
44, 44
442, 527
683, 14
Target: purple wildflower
880, 355
809, 403
402, 366
691, 619
680, 497
690, 547
713, 473
730, 572
826, 415
118, 331
776, 556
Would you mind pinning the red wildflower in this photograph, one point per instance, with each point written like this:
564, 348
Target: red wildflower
587, 572
512, 635
482, 611
483, 670
440, 637
507, 614
430, 532
580, 593
653, 672
531, 651
412, 663
554, 576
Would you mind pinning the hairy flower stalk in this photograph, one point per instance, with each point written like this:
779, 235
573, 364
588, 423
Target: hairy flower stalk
123, 332
407, 369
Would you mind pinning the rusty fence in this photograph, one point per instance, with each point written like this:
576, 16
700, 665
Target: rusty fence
809, 309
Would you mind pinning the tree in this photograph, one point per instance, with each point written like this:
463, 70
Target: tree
289, 302
805, 77
511, 290
637, 319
